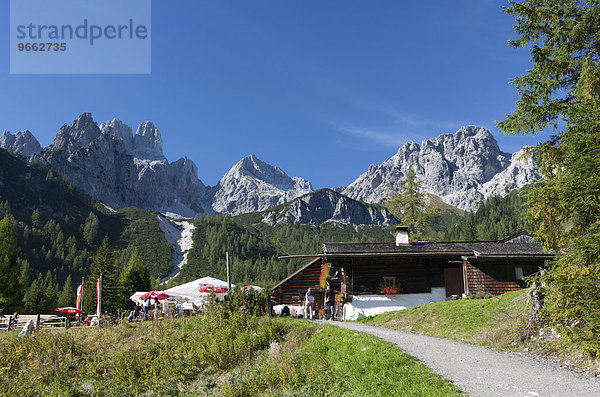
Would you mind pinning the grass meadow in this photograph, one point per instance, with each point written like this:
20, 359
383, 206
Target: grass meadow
221, 353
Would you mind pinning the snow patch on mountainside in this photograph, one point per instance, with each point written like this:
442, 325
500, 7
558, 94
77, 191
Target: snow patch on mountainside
179, 234
111, 209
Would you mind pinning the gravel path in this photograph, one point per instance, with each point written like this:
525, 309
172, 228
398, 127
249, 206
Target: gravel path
480, 371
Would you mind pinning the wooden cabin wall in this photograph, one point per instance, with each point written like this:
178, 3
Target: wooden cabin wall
292, 292
415, 275
496, 278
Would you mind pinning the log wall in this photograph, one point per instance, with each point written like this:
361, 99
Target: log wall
496, 278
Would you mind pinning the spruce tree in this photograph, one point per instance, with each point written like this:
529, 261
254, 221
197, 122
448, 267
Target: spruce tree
91, 228
562, 91
10, 271
35, 296
135, 278
104, 264
67, 294
50, 298
36, 219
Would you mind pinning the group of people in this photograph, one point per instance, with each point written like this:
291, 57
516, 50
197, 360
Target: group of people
153, 310
14, 320
328, 303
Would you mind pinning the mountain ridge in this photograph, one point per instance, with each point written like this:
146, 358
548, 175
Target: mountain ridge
454, 167
122, 168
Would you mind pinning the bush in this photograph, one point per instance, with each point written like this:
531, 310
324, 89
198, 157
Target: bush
572, 300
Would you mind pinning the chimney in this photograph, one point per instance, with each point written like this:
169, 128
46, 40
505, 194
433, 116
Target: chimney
401, 233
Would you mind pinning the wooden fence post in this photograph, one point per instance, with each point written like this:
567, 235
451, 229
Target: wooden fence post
9, 323
38, 321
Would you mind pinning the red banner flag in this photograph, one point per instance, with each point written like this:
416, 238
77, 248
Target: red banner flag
98, 295
79, 297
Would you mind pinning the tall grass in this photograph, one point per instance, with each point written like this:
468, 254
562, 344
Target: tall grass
161, 358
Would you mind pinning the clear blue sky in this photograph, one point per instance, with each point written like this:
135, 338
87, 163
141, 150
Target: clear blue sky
320, 88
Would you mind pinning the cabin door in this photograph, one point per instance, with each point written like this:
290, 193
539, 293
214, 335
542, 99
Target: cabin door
453, 280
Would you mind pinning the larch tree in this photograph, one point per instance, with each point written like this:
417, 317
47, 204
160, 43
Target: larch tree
410, 205
561, 92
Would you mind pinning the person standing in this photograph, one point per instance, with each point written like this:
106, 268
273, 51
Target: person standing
147, 304
309, 303
329, 301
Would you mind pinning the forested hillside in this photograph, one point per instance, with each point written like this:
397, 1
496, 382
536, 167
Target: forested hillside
495, 218
254, 246
59, 229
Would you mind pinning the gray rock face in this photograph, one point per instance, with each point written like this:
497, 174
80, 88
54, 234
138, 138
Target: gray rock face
22, 142
119, 131
147, 142
120, 169
454, 167
520, 172
326, 205
253, 185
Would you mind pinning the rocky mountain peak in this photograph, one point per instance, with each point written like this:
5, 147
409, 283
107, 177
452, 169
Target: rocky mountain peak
23, 142
254, 185
327, 205
520, 172
116, 129
147, 142
451, 166
79, 134
120, 168
253, 167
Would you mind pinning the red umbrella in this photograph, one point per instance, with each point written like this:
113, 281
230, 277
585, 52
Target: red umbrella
254, 287
154, 295
217, 289
68, 310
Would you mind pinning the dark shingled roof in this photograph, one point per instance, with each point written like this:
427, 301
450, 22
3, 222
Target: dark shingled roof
467, 248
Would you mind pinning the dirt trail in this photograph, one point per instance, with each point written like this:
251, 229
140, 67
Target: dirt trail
480, 371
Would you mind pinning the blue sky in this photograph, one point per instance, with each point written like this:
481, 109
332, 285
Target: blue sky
321, 89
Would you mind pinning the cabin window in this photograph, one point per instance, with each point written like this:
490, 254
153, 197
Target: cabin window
389, 280
519, 272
